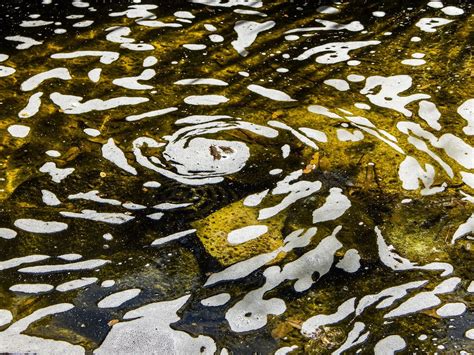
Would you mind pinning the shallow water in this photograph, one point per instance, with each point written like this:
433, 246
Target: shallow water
214, 176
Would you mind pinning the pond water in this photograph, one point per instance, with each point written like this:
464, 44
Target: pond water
230, 176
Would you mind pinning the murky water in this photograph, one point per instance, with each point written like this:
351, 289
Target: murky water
215, 176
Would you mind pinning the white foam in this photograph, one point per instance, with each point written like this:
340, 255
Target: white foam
70, 257
194, 46
273, 94
132, 82
25, 42
119, 298
106, 57
38, 226
77, 266
414, 62
111, 218
201, 81
31, 288
184, 14
230, 3
389, 345
452, 11
7, 233
216, 301
310, 327
36, 80
18, 131
49, 198
338, 84
466, 111
355, 337
114, 154
93, 195
350, 262
36, 23
430, 113
81, 24
172, 237
388, 95
148, 328
5, 317
429, 24
337, 51
354, 26
107, 283
378, 13
57, 174
171, 206
335, 206
464, 229
33, 106
247, 32
92, 132
208, 100
328, 10
12, 263
94, 74
424, 300
451, 309
6, 71
390, 258
72, 105
294, 191
75, 284
245, 234
251, 312
216, 38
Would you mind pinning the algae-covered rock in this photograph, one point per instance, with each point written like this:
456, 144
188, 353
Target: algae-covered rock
213, 232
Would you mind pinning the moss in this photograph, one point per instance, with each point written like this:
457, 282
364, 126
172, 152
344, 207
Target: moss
213, 230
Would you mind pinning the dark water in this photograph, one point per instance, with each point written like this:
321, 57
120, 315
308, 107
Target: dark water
236, 177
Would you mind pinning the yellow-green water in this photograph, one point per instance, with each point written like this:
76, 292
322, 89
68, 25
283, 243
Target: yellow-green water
280, 185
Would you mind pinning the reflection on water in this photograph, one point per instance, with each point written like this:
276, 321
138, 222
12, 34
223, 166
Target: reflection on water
213, 176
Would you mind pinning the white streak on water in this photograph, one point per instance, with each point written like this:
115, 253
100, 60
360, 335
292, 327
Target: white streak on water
216, 301
247, 32
18, 131
424, 300
132, 82
337, 51
57, 174
466, 111
94, 74
49, 198
244, 234
105, 56
355, 337
115, 155
451, 309
119, 298
273, 94
390, 258
112, 218
350, 262
310, 327
205, 100
335, 206
151, 114
12, 263
38, 226
77, 266
31, 288
389, 345
36, 80
294, 191
75, 284
172, 237
147, 329
25, 42
428, 24
201, 81
7, 233
33, 106
93, 196
464, 229
71, 104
